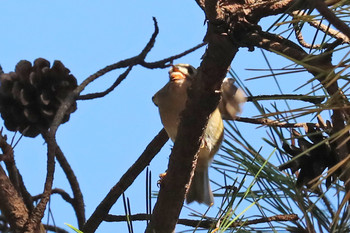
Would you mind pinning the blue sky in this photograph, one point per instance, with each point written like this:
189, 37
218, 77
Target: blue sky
105, 136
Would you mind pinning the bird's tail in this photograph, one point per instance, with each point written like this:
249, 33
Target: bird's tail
199, 190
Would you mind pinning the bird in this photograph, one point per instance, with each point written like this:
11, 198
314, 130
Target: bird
171, 101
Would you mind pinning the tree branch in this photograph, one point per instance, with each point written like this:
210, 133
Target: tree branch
306, 98
121, 64
331, 17
37, 214
166, 62
318, 25
65, 196
70, 99
252, 11
125, 181
110, 89
203, 99
11, 204
269, 122
302, 41
151, 65
13, 173
205, 223
78, 200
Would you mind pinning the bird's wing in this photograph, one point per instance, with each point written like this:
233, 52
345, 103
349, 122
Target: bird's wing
232, 100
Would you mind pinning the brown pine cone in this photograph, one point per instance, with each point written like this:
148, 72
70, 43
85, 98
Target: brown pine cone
314, 161
31, 96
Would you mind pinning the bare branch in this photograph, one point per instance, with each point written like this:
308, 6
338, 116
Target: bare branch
78, 200
151, 65
331, 17
125, 181
66, 104
286, 217
121, 64
277, 44
269, 122
14, 175
166, 62
9, 160
204, 223
11, 204
252, 11
301, 40
65, 196
37, 214
324, 28
311, 99
111, 88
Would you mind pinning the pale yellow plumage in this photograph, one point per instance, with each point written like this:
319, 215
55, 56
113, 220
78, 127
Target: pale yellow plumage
171, 101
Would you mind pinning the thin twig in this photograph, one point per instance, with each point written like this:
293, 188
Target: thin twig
70, 99
121, 64
331, 17
37, 214
8, 158
166, 62
269, 122
324, 28
13, 172
286, 217
65, 196
78, 200
111, 88
301, 40
151, 65
331, 32
306, 98
125, 181
11, 204
206, 223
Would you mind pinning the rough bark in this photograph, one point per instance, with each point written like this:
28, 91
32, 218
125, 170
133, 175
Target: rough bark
11, 203
125, 181
203, 99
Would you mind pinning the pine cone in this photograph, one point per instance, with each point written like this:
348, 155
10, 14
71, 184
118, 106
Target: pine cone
31, 96
313, 162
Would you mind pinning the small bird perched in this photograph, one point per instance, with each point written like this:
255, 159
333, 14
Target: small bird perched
171, 101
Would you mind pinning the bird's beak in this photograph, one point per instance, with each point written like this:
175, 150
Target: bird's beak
176, 74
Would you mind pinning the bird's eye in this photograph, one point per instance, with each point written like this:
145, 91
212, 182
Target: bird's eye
190, 71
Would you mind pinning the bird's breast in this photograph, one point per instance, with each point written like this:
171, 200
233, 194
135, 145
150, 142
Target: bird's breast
171, 100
